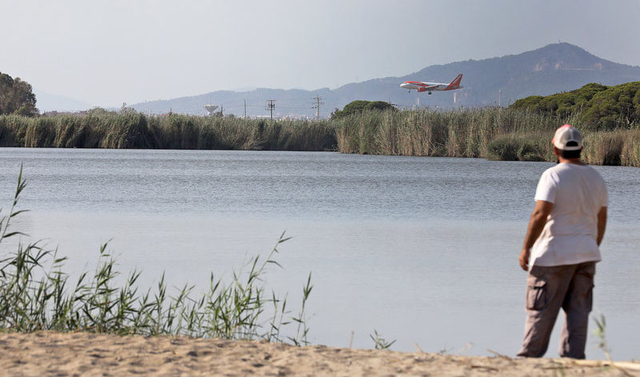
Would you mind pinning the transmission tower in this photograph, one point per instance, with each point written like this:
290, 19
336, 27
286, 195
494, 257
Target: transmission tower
316, 105
271, 105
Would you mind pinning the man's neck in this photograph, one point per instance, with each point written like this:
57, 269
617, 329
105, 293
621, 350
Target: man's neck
575, 161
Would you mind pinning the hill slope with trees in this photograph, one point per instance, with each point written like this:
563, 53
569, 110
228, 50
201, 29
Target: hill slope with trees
597, 106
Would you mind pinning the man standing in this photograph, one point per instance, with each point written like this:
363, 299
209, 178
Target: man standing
561, 248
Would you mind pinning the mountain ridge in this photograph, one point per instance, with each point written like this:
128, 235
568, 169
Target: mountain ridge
494, 81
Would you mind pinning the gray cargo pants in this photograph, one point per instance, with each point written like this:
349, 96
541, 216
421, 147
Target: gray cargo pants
568, 287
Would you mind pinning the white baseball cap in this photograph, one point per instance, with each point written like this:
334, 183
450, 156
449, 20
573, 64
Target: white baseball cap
567, 138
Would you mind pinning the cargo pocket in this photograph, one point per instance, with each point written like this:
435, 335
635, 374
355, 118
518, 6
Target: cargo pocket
537, 296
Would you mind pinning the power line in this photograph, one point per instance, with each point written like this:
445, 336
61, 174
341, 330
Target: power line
317, 105
271, 105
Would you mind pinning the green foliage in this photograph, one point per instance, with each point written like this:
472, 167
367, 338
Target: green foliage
520, 148
358, 107
600, 107
561, 104
617, 107
380, 343
601, 333
504, 148
99, 111
35, 294
16, 96
530, 103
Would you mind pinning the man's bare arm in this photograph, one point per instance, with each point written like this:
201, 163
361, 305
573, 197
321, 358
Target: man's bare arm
536, 225
602, 223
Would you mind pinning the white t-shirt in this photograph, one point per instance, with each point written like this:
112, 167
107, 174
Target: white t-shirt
577, 192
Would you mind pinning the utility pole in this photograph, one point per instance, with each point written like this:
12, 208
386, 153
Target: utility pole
245, 109
271, 105
317, 105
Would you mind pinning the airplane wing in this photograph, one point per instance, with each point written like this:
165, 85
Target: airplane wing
428, 87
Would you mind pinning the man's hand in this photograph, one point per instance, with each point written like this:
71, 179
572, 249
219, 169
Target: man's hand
602, 223
536, 225
524, 259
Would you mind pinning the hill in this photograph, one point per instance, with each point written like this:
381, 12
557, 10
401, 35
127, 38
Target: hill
52, 102
502, 80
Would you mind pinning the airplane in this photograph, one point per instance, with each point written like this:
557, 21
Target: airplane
433, 86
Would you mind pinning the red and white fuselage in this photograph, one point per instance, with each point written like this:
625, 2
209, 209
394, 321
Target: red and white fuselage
429, 87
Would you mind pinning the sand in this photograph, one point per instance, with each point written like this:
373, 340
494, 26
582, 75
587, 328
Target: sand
85, 354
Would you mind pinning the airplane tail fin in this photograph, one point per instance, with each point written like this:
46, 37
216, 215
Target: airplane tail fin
456, 82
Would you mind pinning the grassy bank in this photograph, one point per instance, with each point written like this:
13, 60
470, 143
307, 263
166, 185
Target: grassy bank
36, 294
492, 133
133, 130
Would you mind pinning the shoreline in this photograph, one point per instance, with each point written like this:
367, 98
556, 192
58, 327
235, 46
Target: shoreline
87, 354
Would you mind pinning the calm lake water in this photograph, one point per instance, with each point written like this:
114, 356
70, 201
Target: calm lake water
423, 250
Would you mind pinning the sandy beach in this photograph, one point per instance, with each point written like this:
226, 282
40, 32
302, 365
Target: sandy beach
85, 354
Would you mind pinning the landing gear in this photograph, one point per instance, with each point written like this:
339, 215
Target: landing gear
429, 93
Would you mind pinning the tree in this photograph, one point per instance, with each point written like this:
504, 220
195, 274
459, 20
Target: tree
617, 107
16, 96
561, 104
599, 106
359, 106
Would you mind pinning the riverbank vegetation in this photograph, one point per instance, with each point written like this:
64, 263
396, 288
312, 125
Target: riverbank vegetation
517, 133
37, 294
128, 129
492, 133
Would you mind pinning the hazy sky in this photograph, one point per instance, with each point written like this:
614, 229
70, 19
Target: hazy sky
106, 52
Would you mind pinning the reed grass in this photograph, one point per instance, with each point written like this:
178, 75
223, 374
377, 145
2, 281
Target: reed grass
36, 294
128, 130
492, 133
618, 147
604, 148
631, 149
521, 147
425, 132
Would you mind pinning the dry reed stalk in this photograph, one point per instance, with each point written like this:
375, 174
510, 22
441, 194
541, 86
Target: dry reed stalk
631, 149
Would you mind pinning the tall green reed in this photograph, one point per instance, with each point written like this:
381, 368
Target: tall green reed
380, 343
493, 133
128, 129
36, 294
